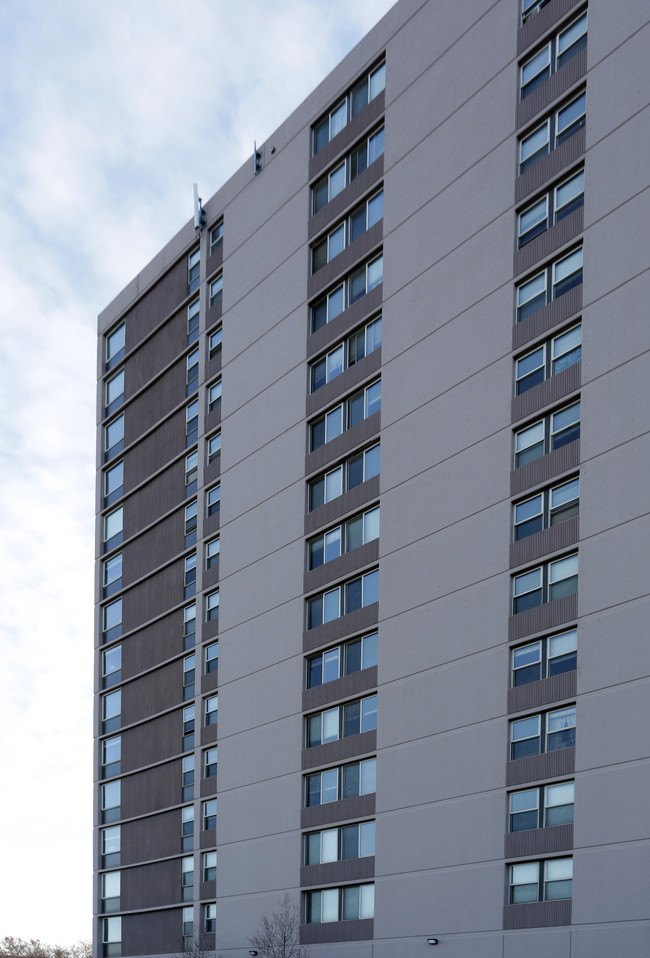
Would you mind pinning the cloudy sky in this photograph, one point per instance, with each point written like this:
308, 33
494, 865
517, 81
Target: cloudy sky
108, 113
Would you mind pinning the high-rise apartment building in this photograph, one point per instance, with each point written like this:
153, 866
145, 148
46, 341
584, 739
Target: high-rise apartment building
427, 299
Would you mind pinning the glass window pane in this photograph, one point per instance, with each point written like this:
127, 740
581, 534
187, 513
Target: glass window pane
331, 605
350, 902
338, 119
336, 181
371, 587
375, 272
354, 533
329, 904
329, 845
366, 839
376, 146
335, 303
333, 484
537, 64
563, 568
535, 142
532, 217
367, 904
369, 650
377, 81
368, 776
570, 114
371, 525
371, 462
331, 661
375, 209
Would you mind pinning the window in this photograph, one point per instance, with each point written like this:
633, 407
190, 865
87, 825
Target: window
113, 523
347, 781
212, 605
340, 844
213, 500
192, 371
549, 656
191, 471
210, 918
548, 359
189, 625
345, 233
112, 936
187, 878
191, 520
111, 756
210, 814
343, 599
115, 392
552, 282
541, 807
547, 508
552, 432
214, 396
547, 582
210, 762
189, 676
188, 928
216, 237
211, 710
111, 891
189, 715
356, 285
111, 796
366, 90
546, 732
551, 208
191, 422
553, 55
345, 415
189, 575
342, 660
193, 269
113, 482
344, 477
115, 345
529, 7
347, 170
209, 866
547, 880
214, 342
214, 447
212, 550
193, 321
111, 711
216, 289
346, 354
187, 777
187, 828
343, 538
340, 904
211, 657
341, 721
113, 574
111, 846
552, 132
111, 666
114, 437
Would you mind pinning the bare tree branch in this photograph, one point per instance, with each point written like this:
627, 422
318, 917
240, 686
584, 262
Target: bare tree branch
278, 933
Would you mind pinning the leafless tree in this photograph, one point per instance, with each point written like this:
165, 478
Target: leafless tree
19, 948
278, 933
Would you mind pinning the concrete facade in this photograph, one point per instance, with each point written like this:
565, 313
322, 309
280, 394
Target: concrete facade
452, 605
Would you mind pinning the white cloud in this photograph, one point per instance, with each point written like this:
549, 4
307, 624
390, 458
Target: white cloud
111, 111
